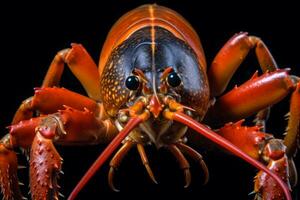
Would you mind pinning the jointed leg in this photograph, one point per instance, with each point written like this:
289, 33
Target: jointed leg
292, 138
24, 112
229, 59
22, 131
116, 161
197, 157
251, 97
82, 66
183, 163
232, 55
145, 161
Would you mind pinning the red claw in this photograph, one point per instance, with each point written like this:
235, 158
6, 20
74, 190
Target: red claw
264, 184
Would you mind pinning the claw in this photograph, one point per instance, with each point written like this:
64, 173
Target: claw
20, 183
61, 195
252, 193
293, 174
205, 171
266, 187
187, 177
274, 153
150, 173
111, 175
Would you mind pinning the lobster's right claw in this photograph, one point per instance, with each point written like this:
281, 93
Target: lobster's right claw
266, 187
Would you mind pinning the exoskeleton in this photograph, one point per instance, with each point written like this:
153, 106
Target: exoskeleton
152, 84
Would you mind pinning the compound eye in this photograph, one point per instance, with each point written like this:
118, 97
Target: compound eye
132, 82
173, 79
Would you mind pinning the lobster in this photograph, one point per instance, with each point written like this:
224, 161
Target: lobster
151, 86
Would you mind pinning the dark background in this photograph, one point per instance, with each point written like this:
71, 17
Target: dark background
31, 34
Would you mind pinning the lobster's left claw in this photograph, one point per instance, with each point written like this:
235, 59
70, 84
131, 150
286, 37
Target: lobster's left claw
265, 186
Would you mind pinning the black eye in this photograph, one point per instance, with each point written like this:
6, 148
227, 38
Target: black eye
173, 79
132, 82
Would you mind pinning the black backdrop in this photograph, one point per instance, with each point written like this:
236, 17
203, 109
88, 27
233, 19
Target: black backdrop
33, 32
